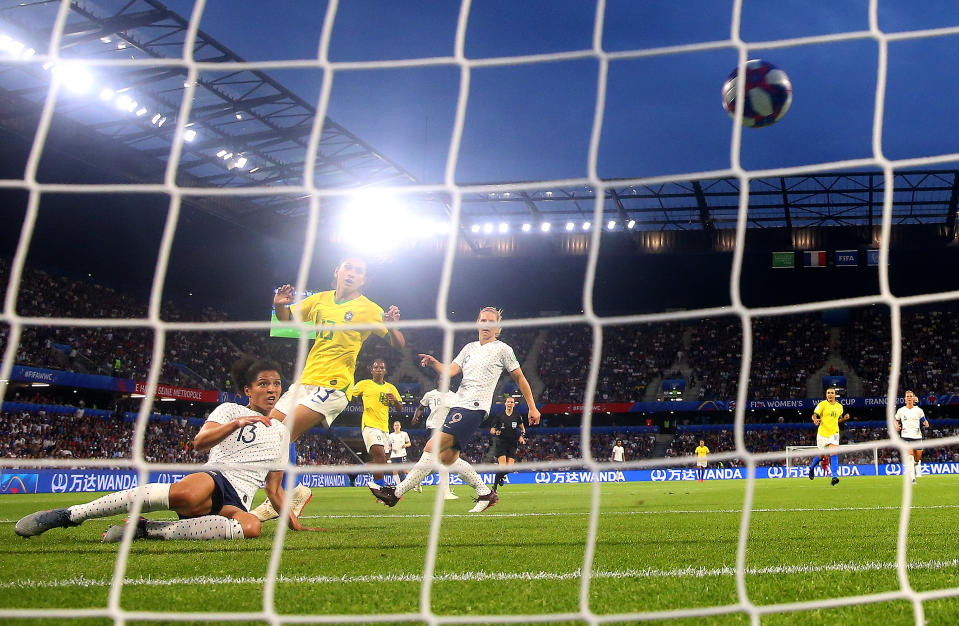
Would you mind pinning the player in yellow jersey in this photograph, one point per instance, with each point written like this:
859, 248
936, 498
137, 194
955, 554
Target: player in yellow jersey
828, 415
320, 393
378, 396
701, 452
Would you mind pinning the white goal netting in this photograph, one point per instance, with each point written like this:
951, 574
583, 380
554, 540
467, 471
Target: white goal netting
745, 604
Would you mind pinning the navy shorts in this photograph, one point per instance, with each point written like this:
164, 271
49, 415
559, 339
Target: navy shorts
223, 495
462, 423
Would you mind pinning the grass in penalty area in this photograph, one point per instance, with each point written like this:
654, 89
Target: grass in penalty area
661, 546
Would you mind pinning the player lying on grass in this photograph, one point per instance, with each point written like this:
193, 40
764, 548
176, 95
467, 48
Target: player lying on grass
481, 363
212, 504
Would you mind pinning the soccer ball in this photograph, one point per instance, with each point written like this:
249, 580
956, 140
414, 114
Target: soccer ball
768, 94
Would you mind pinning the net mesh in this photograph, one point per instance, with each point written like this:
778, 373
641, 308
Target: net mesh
160, 328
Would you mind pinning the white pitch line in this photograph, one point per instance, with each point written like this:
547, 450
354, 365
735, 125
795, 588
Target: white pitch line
586, 513
480, 576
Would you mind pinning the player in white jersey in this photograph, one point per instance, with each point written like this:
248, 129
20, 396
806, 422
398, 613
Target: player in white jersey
438, 405
212, 504
481, 363
399, 441
908, 421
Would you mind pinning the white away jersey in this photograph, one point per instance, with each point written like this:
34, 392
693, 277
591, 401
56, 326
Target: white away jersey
618, 453
254, 443
439, 405
397, 441
911, 420
482, 366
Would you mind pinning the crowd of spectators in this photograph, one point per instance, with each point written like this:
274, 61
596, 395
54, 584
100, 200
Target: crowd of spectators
786, 349
633, 356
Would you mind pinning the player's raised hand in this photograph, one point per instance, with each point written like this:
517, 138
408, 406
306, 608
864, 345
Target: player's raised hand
533, 415
392, 314
428, 360
283, 296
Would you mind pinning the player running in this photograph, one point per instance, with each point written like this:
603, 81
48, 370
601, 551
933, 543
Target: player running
378, 396
481, 363
508, 432
212, 504
320, 394
438, 405
828, 415
908, 421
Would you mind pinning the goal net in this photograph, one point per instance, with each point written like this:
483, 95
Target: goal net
846, 457
598, 554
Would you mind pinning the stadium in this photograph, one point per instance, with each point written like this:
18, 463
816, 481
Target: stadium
680, 296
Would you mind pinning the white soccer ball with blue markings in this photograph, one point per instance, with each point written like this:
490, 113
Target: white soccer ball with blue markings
768, 94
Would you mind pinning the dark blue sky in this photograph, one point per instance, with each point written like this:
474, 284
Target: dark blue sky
663, 114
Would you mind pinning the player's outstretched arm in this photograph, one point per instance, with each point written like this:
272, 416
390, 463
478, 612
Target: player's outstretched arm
213, 433
428, 360
520, 379
417, 414
845, 418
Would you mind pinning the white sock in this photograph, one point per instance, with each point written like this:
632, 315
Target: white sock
911, 465
423, 467
156, 497
445, 478
469, 476
205, 527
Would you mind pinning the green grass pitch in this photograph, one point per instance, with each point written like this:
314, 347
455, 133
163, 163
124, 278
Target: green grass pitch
660, 547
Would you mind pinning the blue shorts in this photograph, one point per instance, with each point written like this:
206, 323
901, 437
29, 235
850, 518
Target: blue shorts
223, 495
462, 424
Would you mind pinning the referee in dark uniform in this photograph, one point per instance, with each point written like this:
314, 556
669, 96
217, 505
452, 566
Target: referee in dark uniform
508, 432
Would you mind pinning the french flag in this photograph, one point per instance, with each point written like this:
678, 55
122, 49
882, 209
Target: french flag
814, 258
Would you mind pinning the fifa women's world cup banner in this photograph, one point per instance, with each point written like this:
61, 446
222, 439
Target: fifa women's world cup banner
16, 481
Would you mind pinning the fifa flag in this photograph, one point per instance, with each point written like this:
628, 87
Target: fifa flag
847, 258
814, 258
784, 259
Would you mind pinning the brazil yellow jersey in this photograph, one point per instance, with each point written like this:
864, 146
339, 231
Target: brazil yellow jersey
333, 357
376, 408
702, 451
829, 415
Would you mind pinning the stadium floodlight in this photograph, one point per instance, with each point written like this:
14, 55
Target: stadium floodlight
142, 111
126, 103
527, 227
28, 53
106, 94
105, 39
74, 77
586, 225
48, 65
611, 224
376, 221
189, 135
161, 122
121, 45
241, 162
239, 115
227, 156
254, 169
155, 119
39, 384
544, 227
220, 154
631, 224
570, 226
487, 228
503, 227
475, 228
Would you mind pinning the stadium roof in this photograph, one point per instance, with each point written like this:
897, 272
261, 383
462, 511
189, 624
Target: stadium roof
252, 131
